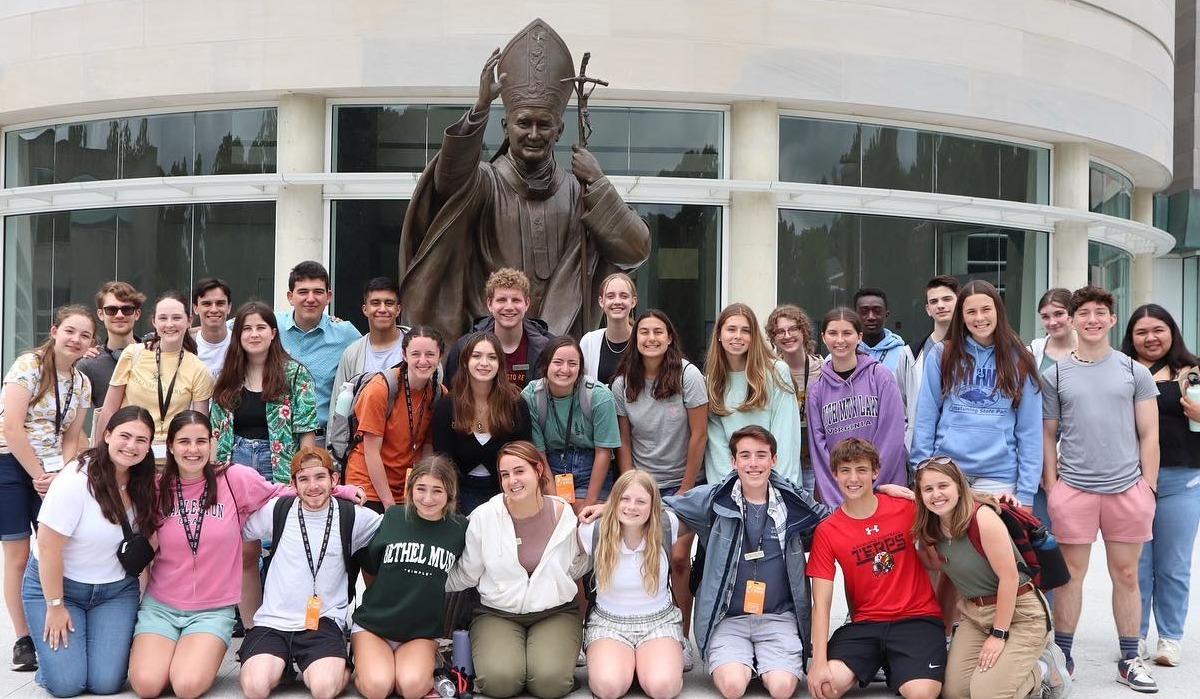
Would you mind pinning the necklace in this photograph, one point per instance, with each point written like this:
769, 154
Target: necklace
480, 414
124, 488
618, 348
1081, 360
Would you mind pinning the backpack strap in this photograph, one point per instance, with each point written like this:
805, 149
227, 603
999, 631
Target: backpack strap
585, 398
346, 514
393, 385
973, 530
541, 404
283, 505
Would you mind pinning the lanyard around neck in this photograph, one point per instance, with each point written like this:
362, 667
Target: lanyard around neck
165, 403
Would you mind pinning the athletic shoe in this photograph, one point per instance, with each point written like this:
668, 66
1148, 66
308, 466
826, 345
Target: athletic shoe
689, 661
1143, 652
1057, 682
581, 661
1133, 673
24, 656
1168, 653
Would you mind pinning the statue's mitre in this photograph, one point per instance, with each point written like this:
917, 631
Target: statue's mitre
536, 60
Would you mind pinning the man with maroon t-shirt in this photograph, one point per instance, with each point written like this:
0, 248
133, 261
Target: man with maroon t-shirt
896, 620
522, 339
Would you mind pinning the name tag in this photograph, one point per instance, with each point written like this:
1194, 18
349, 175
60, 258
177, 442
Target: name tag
564, 486
755, 555
520, 367
756, 597
53, 464
160, 450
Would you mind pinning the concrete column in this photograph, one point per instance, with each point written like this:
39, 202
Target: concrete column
1141, 272
753, 218
299, 210
1069, 255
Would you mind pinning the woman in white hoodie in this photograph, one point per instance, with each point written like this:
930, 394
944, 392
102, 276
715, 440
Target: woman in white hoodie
523, 556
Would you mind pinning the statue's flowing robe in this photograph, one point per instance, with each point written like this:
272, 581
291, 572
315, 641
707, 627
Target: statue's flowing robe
469, 218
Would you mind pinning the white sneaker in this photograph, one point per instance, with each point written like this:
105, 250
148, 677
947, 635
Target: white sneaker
1143, 651
1168, 653
689, 660
581, 661
1056, 684
1134, 674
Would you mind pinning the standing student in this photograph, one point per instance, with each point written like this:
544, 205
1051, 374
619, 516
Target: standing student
390, 445
603, 348
790, 330
523, 555
747, 386
1164, 569
979, 401
855, 396
883, 345
166, 379
211, 303
185, 621
41, 404
381, 348
397, 625
578, 445
662, 413
118, 306
1002, 648
81, 603
635, 630
1059, 342
1103, 475
311, 336
263, 410
308, 557
482, 413
941, 297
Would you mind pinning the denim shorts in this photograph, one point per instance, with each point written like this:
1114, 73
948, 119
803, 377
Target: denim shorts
19, 502
255, 453
578, 462
164, 620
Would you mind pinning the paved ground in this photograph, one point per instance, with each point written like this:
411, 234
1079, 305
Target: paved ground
1095, 656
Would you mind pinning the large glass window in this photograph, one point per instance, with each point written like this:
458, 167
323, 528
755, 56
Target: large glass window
1190, 322
626, 140
681, 277
1109, 192
1109, 267
852, 154
824, 258
57, 258
221, 142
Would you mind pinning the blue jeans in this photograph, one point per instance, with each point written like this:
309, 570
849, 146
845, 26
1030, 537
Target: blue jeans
578, 462
255, 453
97, 657
1164, 570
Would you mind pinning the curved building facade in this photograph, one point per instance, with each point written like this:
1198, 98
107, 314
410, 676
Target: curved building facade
780, 150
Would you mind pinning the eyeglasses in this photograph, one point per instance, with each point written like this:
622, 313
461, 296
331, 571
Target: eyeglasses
785, 332
939, 459
111, 311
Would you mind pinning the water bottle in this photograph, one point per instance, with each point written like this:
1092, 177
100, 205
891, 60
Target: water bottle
444, 686
345, 400
461, 652
1193, 394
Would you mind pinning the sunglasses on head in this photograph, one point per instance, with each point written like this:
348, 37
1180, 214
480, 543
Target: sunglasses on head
940, 459
111, 311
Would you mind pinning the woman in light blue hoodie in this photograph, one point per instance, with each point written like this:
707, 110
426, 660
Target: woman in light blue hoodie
978, 401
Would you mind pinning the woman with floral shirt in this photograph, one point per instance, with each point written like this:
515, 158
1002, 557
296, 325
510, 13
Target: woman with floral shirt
263, 410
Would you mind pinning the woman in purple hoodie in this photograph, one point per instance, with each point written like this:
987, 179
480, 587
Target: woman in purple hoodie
855, 396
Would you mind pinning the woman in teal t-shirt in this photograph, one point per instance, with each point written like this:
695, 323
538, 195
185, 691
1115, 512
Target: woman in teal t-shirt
574, 424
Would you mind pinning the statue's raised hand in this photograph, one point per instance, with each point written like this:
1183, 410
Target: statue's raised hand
489, 82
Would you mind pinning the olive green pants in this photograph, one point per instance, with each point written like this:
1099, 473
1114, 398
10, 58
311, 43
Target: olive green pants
534, 653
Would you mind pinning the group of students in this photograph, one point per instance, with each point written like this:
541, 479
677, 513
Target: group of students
744, 460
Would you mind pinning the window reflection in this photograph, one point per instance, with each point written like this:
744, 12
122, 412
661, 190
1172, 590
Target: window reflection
1109, 267
1110, 192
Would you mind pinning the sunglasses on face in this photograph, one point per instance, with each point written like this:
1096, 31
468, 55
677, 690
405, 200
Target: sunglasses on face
111, 311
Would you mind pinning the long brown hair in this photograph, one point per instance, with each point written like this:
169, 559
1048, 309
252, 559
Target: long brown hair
45, 351
760, 366
608, 551
502, 400
170, 472
1014, 362
927, 527
102, 476
527, 452
228, 391
632, 369
440, 467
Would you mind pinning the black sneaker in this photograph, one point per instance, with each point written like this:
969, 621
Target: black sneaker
24, 656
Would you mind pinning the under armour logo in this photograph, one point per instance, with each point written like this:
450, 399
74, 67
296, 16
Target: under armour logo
873, 529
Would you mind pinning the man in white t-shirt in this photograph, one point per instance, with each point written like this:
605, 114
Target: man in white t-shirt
285, 631
210, 303
381, 347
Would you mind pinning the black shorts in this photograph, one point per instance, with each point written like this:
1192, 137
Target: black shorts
907, 649
302, 647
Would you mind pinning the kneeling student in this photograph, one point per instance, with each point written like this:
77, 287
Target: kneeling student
307, 593
896, 620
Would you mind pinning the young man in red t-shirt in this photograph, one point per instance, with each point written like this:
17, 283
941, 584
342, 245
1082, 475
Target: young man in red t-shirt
896, 620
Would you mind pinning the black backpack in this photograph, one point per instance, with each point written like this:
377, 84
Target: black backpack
346, 511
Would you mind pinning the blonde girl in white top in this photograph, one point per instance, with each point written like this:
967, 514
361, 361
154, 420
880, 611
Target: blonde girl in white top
43, 399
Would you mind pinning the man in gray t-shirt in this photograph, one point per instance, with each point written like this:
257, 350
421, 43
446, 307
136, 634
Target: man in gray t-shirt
1103, 475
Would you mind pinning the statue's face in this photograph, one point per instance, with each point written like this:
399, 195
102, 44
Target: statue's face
532, 133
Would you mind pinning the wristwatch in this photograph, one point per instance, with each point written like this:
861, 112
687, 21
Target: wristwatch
1000, 634
56, 602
